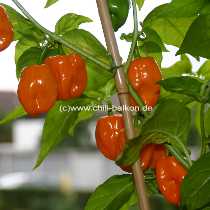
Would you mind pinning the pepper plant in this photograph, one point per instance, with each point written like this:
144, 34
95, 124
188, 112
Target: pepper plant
47, 67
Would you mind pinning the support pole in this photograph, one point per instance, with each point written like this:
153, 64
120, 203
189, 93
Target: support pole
123, 94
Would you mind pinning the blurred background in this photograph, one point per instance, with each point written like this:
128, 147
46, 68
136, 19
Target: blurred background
75, 168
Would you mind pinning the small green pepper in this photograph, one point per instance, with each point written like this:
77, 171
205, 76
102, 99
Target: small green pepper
119, 10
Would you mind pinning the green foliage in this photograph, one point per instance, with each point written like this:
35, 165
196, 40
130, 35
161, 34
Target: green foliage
161, 129
207, 123
172, 20
86, 41
14, 114
204, 71
139, 3
57, 125
22, 46
113, 194
149, 43
178, 69
200, 38
29, 57
50, 3
184, 85
22, 27
196, 186
182, 23
181, 67
70, 22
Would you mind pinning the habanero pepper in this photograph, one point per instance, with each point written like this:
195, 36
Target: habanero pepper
70, 73
149, 156
119, 10
170, 174
37, 89
143, 74
110, 136
6, 30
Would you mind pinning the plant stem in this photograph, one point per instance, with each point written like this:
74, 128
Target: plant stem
204, 140
60, 39
135, 36
130, 56
137, 99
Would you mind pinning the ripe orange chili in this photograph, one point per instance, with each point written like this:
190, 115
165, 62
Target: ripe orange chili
70, 73
149, 156
37, 89
6, 30
170, 174
110, 136
143, 74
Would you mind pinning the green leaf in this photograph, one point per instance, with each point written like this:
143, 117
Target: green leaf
14, 114
132, 201
82, 116
86, 41
70, 22
181, 67
104, 92
112, 194
174, 18
50, 3
150, 45
184, 85
139, 3
152, 36
197, 42
207, 123
57, 125
204, 71
161, 129
22, 46
29, 57
178, 69
22, 27
151, 49
176, 127
195, 190
94, 83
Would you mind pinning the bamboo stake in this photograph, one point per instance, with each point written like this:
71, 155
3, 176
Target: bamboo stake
123, 97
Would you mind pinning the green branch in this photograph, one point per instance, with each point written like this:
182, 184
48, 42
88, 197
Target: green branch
60, 39
204, 139
135, 36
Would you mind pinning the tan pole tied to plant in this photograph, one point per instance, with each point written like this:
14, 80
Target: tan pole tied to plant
122, 90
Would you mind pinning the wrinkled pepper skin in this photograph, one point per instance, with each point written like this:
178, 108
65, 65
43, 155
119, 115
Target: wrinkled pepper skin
110, 136
6, 30
149, 156
170, 174
70, 73
37, 89
143, 74
119, 10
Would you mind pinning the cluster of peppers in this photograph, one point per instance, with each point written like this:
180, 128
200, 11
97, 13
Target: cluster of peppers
143, 74
60, 77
